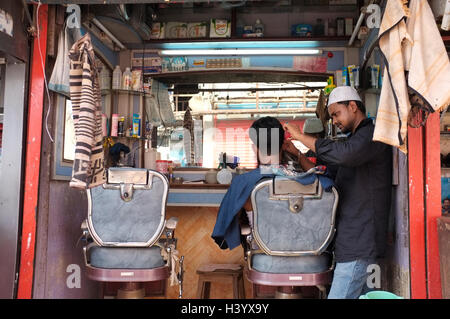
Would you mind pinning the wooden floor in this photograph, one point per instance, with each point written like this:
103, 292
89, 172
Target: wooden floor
194, 229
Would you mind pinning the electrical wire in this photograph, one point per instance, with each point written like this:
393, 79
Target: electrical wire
43, 71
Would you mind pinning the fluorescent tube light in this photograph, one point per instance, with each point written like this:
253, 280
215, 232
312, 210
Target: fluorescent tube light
241, 52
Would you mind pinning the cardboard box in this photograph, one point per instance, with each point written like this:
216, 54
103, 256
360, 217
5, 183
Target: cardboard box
220, 28
176, 30
196, 30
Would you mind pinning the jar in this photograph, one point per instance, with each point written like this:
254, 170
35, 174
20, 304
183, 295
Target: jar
162, 166
224, 176
211, 176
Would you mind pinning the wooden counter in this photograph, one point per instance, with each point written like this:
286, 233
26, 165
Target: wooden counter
209, 195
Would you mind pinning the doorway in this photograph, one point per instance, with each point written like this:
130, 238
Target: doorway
12, 130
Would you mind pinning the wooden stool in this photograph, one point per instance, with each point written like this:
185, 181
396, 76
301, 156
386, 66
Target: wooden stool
218, 273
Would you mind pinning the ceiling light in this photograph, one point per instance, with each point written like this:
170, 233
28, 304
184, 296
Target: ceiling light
241, 52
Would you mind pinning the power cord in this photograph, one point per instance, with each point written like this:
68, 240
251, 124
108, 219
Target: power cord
43, 71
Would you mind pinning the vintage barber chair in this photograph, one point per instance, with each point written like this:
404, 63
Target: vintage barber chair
127, 239
293, 224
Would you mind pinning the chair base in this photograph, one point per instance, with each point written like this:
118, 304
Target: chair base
272, 279
127, 275
288, 285
285, 292
131, 290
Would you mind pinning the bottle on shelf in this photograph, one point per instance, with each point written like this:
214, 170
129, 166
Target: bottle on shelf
121, 126
117, 78
126, 79
319, 28
104, 125
105, 79
114, 124
259, 27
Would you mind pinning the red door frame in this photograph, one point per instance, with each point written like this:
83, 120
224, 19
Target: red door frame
416, 214
433, 203
424, 208
33, 155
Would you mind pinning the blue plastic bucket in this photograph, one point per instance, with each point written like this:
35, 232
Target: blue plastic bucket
379, 295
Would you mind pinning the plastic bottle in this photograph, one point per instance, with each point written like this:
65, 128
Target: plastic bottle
105, 79
117, 78
259, 27
121, 126
104, 125
126, 79
319, 28
114, 124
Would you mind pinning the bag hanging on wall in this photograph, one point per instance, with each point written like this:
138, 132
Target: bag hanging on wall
60, 80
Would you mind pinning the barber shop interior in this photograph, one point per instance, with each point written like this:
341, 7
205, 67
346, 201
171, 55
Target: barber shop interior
219, 149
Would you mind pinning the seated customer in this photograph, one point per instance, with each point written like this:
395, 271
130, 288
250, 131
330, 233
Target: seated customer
263, 131
267, 135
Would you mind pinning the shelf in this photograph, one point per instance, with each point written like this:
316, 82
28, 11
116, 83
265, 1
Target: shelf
198, 186
256, 39
126, 137
114, 91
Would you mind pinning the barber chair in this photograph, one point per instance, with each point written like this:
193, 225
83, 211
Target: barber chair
293, 225
127, 239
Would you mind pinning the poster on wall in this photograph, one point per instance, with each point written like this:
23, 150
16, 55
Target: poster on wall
6, 23
314, 64
149, 61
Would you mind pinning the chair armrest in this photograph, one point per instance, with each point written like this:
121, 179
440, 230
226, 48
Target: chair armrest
84, 225
85, 235
171, 223
169, 232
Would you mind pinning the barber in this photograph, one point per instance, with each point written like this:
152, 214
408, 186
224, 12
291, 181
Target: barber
363, 179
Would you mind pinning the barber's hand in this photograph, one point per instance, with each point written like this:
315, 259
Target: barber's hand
293, 129
289, 147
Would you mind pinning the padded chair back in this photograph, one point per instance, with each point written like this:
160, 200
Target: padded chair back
129, 209
291, 219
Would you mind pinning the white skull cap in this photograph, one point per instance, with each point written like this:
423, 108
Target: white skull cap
343, 93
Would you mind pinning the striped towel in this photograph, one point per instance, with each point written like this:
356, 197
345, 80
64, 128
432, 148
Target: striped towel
414, 46
88, 166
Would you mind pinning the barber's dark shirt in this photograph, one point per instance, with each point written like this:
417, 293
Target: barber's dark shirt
363, 180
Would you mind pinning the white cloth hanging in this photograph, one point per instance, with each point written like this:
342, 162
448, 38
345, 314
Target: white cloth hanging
59, 80
416, 64
157, 106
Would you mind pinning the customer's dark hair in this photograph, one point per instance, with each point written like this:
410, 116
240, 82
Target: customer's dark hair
264, 132
360, 105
